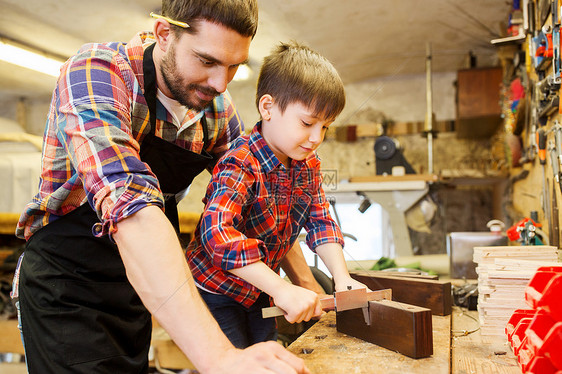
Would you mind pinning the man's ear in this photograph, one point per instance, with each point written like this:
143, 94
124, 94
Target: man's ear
265, 104
162, 34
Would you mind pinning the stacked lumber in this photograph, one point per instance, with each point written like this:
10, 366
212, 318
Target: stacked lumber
503, 274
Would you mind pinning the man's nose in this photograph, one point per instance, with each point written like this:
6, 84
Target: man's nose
219, 79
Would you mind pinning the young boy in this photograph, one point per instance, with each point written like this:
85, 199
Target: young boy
263, 191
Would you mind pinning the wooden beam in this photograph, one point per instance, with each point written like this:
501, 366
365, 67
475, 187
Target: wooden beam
406, 274
188, 221
393, 178
8, 223
432, 294
10, 338
395, 326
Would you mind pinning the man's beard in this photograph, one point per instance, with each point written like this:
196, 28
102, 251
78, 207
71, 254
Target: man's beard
182, 93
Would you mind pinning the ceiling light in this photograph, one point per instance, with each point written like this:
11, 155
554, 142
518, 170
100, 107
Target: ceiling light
28, 59
243, 73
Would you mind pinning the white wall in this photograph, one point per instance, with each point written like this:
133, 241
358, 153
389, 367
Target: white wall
33, 115
400, 98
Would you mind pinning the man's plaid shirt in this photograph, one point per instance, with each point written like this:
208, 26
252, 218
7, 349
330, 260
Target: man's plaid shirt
97, 121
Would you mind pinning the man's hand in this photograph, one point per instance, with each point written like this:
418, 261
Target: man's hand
268, 357
299, 303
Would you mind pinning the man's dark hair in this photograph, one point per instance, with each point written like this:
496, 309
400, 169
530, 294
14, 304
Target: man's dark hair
296, 73
238, 15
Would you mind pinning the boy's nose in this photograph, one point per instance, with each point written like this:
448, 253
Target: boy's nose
316, 135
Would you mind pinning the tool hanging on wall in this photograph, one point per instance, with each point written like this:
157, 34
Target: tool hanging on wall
556, 149
547, 91
554, 161
556, 64
527, 232
541, 143
543, 10
555, 223
529, 152
542, 46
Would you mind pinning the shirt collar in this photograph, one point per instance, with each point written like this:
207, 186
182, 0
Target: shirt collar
265, 155
135, 51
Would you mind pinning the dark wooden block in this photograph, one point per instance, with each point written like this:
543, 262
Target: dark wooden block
427, 293
395, 326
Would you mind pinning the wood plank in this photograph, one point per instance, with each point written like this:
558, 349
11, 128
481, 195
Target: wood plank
477, 354
8, 223
503, 275
188, 221
10, 338
400, 327
431, 294
333, 352
393, 178
405, 274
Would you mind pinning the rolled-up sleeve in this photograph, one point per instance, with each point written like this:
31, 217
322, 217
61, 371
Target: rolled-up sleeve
94, 123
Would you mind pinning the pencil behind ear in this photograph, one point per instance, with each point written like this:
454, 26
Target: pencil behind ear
264, 106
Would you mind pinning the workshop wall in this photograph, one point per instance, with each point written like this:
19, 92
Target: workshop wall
399, 99
31, 114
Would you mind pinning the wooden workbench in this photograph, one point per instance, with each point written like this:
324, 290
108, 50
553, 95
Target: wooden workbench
187, 220
327, 351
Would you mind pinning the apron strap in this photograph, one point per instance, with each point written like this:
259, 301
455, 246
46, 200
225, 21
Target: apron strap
149, 72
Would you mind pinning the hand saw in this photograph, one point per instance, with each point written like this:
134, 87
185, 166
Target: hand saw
342, 300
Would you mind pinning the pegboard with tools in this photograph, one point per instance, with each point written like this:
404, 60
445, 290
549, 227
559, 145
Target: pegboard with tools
532, 114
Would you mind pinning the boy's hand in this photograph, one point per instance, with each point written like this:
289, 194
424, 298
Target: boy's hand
298, 303
343, 284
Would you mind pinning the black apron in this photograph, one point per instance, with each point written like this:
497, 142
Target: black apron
79, 312
174, 166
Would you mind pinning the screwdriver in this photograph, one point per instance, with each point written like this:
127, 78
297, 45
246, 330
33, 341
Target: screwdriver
554, 161
541, 144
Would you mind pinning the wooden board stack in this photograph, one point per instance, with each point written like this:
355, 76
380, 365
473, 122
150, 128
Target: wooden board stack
503, 274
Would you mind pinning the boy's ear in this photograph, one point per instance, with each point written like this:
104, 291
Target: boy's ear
265, 105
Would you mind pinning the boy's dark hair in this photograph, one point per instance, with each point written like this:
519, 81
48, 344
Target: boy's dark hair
295, 73
238, 15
